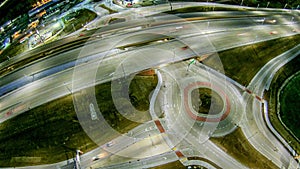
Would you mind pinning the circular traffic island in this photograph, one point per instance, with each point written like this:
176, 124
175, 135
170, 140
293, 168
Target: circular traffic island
206, 101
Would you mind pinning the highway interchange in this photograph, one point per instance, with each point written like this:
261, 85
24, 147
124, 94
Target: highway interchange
110, 54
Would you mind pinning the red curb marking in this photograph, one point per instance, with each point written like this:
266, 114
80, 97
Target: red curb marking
179, 154
198, 118
8, 113
248, 91
258, 98
159, 126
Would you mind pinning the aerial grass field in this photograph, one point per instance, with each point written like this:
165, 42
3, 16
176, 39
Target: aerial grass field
81, 17
237, 146
289, 105
242, 63
111, 11
171, 165
51, 132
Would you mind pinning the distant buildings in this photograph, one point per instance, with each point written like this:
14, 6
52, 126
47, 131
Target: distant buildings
20, 28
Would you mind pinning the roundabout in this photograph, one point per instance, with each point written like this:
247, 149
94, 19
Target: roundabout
200, 103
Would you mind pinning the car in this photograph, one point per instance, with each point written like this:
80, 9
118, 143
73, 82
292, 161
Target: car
270, 21
95, 158
274, 33
109, 144
184, 48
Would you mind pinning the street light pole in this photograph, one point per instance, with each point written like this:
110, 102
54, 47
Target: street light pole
171, 7
68, 88
268, 4
123, 70
38, 33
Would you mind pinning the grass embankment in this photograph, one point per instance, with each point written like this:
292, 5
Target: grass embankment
171, 165
116, 20
111, 11
77, 20
13, 50
242, 63
284, 73
237, 146
51, 132
289, 105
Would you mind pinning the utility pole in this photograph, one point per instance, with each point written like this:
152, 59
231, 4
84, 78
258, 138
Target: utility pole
263, 21
174, 55
77, 159
123, 70
68, 88
171, 7
38, 33
73, 27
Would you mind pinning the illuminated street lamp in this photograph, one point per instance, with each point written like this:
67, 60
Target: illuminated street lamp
171, 7
38, 33
268, 4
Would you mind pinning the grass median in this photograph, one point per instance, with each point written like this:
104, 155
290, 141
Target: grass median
242, 63
237, 146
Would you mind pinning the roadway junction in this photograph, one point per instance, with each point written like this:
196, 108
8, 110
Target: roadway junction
174, 46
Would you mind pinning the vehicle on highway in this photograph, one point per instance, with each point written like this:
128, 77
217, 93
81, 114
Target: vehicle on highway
109, 144
93, 112
270, 21
95, 158
274, 33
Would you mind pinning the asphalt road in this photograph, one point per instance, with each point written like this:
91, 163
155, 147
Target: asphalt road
211, 43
